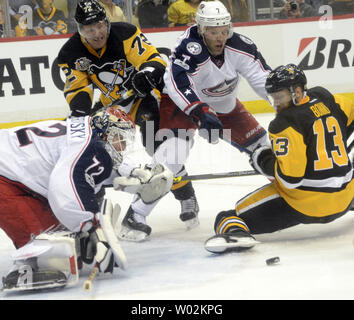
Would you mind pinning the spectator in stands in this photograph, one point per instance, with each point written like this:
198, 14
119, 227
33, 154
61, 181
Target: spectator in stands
2, 22
114, 13
152, 13
297, 9
238, 9
47, 20
19, 7
182, 12
342, 6
72, 27
316, 4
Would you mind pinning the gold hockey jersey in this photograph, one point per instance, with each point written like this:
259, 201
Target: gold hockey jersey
313, 172
111, 69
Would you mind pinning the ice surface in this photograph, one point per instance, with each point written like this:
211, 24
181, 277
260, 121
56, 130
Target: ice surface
316, 261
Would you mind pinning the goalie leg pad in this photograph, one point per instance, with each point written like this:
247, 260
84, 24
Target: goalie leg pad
25, 278
48, 261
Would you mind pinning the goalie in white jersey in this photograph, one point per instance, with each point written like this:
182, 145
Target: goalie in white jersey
202, 79
50, 173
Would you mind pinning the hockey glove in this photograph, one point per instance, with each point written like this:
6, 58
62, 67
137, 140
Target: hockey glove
150, 183
143, 82
263, 160
209, 124
96, 248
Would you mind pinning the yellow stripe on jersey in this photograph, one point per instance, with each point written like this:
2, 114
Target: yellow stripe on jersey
290, 150
233, 221
76, 81
138, 50
256, 198
315, 203
347, 105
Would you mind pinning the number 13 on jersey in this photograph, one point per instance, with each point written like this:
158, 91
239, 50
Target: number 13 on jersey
326, 157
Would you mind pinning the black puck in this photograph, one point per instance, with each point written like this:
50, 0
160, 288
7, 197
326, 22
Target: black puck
272, 261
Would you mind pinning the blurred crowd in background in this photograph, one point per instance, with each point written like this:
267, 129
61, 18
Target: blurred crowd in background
47, 17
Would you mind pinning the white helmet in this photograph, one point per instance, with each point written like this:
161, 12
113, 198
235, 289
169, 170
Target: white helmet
212, 14
117, 129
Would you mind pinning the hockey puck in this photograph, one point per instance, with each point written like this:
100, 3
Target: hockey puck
272, 261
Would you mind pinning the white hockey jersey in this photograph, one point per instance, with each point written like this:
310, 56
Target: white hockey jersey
192, 76
61, 160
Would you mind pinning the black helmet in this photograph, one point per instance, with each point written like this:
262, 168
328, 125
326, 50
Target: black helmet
285, 77
89, 11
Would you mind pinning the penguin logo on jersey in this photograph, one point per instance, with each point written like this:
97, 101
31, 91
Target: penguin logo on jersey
194, 48
222, 89
111, 74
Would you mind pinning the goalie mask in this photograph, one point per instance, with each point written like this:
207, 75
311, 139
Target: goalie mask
212, 14
117, 129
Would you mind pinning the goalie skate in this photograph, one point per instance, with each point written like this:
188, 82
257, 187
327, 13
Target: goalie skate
223, 243
25, 278
133, 230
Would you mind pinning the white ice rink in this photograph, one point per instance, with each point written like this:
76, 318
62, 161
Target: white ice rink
316, 261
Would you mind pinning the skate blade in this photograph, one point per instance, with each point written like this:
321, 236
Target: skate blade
127, 234
30, 287
192, 223
219, 244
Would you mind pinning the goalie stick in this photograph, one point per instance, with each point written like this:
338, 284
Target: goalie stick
107, 214
108, 217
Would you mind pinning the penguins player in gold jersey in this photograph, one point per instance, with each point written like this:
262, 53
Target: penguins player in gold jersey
113, 58
308, 163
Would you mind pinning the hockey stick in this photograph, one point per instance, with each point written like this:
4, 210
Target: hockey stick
208, 176
124, 99
88, 283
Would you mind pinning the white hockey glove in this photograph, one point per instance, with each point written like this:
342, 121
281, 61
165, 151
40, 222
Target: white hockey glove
259, 160
149, 183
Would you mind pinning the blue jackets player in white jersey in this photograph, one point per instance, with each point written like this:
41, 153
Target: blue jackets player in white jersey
201, 80
50, 173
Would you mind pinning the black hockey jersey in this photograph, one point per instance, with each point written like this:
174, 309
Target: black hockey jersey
111, 69
312, 169
55, 23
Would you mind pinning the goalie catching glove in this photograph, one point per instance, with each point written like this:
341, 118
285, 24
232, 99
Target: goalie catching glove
149, 183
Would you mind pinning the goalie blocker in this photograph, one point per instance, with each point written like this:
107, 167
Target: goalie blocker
50, 260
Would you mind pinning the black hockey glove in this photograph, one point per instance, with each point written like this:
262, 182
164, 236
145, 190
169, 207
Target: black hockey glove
209, 124
143, 82
262, 160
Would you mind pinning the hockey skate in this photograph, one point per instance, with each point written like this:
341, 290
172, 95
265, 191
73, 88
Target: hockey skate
235, 241
189, 212
189, 205
28, 278
134, 227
